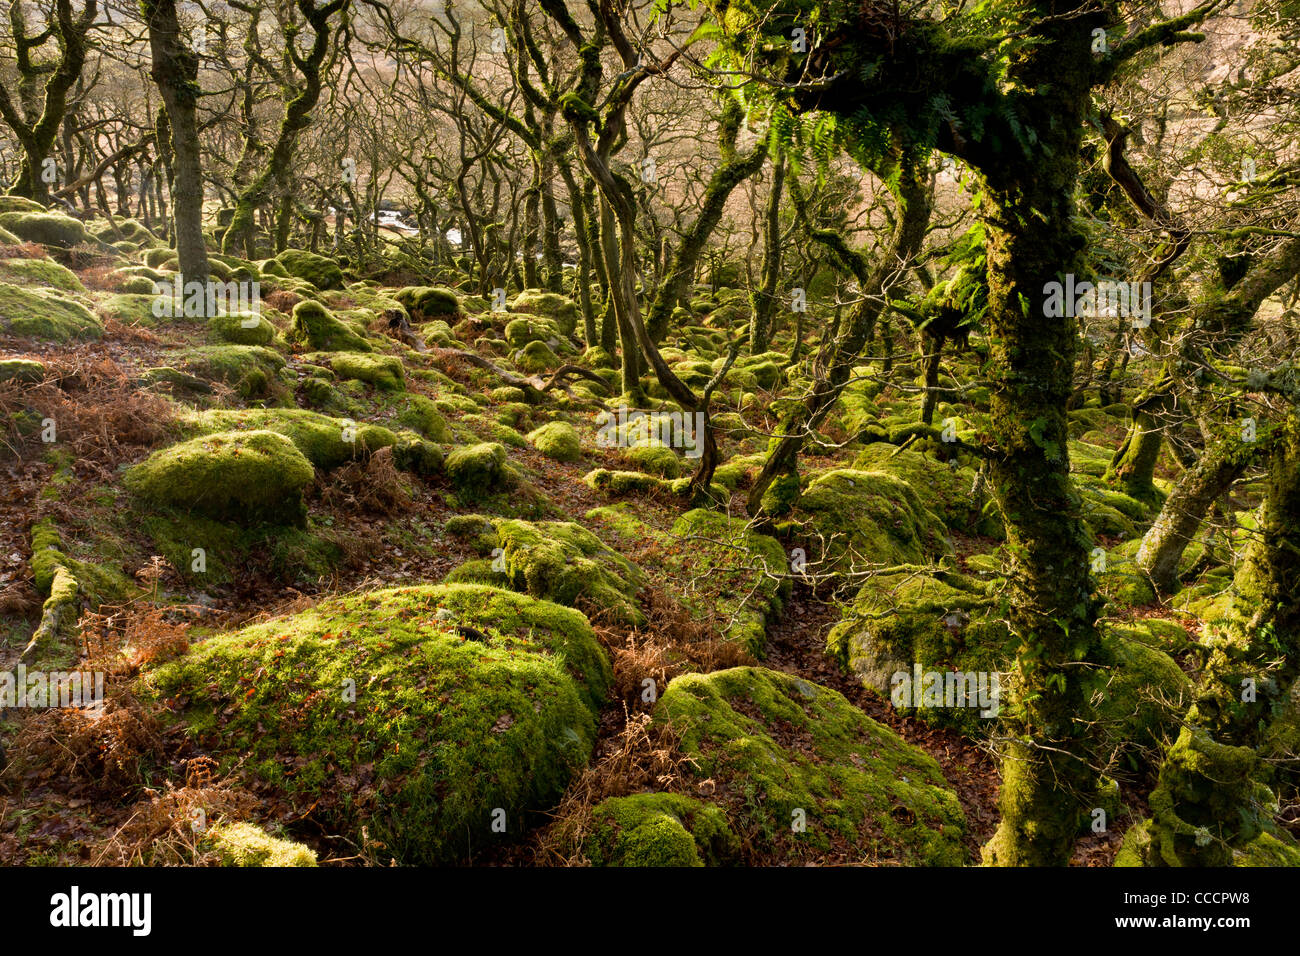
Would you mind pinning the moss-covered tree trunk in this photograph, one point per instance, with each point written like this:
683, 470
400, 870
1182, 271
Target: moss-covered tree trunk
35, 120
1047, 775
1186, 507
1208, 799
175, 70
274, 176
764, 303
834, 365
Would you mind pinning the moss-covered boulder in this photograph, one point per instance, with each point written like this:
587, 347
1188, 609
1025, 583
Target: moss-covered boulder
253, 371
23, 371
242, 477
563, 562
801, 770
477, 470
244, 844
558, 440
419, 412
536, 357
943, 488
428, 302
48, 317
40, 272
322, 272
317, 327
869, 518
916, 625
563, 311
427, 715
659, 829
242, 328
46, 228
654, 457
326, 442
526, 329
382, 371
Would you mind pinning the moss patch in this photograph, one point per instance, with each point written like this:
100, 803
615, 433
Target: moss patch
47, 317
378, 711
785, 752
243, 477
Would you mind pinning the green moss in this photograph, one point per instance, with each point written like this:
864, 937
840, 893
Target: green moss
563, 562
47, 317
419, 412
243, 477
558, 440
563, 311
243, 844
536, 357
315, 326
621, 482
42, 272
46, 228
443, 730
251, 370
659, 829
382, 371
242, 328
326, 442
321, 272
476, 470
428, 302
656, 458
784, 750
867, 516
524, 330
23, 371
943, 489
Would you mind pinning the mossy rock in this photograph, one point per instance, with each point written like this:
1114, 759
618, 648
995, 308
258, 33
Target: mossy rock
1143, 694
19, 204
322, 272
243, 844
242, 477
659, 829
563, 562
428, 302
40, 272
536, 357
944, 489
654, 458
736, 560
382, 371
621, 482
326, 442
525, 329
46, 228
242, 328
476, 470
875, 516
251, 370
419, 412
50, 318
419, 457
802, 769
563, 311
317, 327
557, 440
23, 371
944, 623
377, 711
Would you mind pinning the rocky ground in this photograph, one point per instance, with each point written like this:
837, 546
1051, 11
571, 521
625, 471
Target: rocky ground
367, 590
